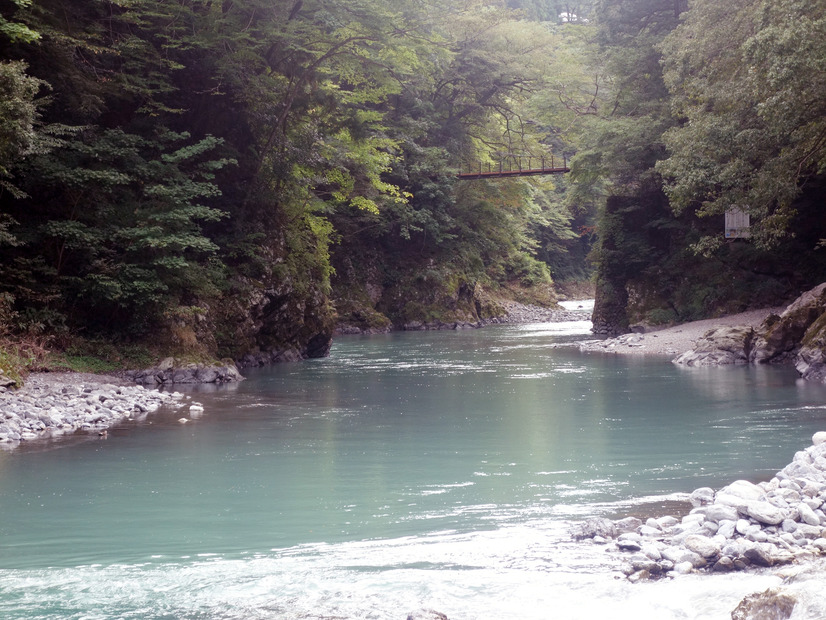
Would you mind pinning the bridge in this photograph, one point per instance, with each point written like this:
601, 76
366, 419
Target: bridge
513, 167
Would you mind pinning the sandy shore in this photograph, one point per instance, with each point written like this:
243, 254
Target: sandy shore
673, 341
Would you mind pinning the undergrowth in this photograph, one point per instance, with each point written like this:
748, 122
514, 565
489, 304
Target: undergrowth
21, 355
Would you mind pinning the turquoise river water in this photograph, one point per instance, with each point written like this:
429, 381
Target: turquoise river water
429, 470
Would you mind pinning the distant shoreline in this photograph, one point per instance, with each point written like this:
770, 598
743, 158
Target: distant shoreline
673, 341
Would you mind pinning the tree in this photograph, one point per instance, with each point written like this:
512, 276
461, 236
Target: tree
619, 156
749, 84
118, 221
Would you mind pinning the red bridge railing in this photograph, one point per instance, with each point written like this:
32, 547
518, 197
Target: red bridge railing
513, 167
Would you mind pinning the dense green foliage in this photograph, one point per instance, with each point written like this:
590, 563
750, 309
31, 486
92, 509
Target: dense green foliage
709, 106
239, 176
221, 175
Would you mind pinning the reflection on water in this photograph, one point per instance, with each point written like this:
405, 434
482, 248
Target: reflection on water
435, 469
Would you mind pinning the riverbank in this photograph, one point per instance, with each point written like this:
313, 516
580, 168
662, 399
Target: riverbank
742, 525
673, 341
51, 404
55, 404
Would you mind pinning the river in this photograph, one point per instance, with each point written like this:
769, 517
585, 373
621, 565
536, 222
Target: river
437, 470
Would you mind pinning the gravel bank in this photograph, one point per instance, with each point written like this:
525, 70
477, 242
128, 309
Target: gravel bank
673, 341
54, 404
739, 526
525, 313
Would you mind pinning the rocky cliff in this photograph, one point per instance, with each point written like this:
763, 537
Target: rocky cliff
797, 335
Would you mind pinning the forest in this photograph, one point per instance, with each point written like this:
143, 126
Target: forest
214, 179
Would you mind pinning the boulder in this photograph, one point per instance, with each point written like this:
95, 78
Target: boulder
724, 565
629, 542
744, 489
701, 496
811, 358
807, 515
702, 545
780, 336
721, 512
773, 604
763, 512
758, 556
592, 528
720, 346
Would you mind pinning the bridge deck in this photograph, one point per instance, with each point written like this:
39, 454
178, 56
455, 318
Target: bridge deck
512, 167
525, 172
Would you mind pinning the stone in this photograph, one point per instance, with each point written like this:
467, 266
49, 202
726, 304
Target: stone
807, 515
720, 346
628, 524
206, 375
724, 565
780, 335
667, 521
702, 545
764, 512
648, 531
773, 604
819, 438
759, 556
642, 562
756, 534
721, 512
651, 551
629, 542
641, 575
591, 528
696, 517
426, 614
744, 489
702, 496
726, 529
676, 554
805, 530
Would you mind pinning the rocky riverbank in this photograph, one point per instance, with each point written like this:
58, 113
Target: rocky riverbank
739, 526
54, 404
515, 314
673, 341
525, 313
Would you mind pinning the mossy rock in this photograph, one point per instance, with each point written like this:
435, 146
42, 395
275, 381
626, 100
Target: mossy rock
781, 336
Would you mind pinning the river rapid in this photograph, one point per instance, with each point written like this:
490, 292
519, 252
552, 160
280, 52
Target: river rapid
407, 471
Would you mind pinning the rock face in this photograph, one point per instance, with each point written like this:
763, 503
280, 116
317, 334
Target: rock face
719, 346
738, 526
797, 335
781, 336
277, 316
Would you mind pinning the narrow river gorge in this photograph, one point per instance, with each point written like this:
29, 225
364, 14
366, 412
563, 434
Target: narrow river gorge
436, 470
